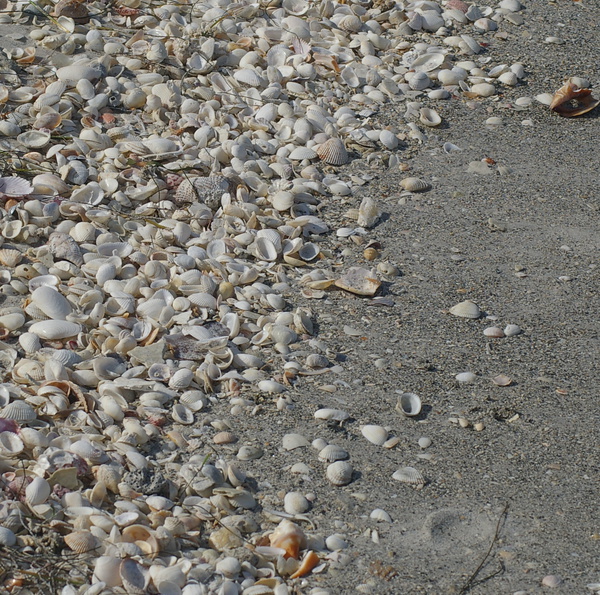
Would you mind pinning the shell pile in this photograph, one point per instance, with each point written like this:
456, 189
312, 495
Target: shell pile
171, 163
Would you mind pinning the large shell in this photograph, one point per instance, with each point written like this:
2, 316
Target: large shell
37, 492
52, 303
64, 247
20, 411
55, 329
570, 101
289, 537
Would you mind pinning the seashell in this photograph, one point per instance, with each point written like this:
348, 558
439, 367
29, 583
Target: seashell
409, 404
570, 101
493, 332
350, 23
317, 361
332, 453
331, 414
308, 563
52, 303
295, 503
411, 476
466, 377
388, 139
380, 515
224, 438
510, 330
64, 247
7, 537
10, 257
502, 380
207, 190
466, 309
289, 537
134, 577
20, 411
106, 570
551, 581
429, 117
55, 329
333, 152
181, 379
82, 542
414, 185
359, 281
10, 443
368, 213
12, 321
302, 153
270, 386
141, 536
30, 343
340, 473
229, 567
375, 434
34, 139
37, 492
182, 415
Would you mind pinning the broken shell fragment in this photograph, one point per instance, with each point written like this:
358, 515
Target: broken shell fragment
359, 281
570, 101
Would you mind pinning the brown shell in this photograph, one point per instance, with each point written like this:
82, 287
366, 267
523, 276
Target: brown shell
75, 9
569, 101
82, 542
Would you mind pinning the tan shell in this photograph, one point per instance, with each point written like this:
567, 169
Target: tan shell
466, 309
359, 281
82, 542
224, 438
333, 152
569, 101
10, 257
415, 184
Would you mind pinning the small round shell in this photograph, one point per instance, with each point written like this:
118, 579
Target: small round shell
409, 404
332, 453
340, 473
295, 503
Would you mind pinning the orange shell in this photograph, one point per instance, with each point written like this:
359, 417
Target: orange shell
563, 98
309, 561
289, 537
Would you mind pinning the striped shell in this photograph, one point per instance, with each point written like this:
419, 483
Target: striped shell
409, 475
207, 190
10, 257
333, 152
332, 453
82, 542
466, 309
340, 473
20, 411
415, 185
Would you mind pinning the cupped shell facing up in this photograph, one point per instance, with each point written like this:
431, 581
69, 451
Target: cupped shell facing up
570, 101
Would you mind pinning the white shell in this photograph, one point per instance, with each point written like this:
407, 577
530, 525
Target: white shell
510, 330
466, 377
37, 492
409, 404
375, 434
466, 309
52, 303
340, 473
332, 453
295, 503
414, 184
380, 515
331, 414
182, 414
409, 475
429, 117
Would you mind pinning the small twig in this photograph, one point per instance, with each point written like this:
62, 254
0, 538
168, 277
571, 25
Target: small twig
470, 582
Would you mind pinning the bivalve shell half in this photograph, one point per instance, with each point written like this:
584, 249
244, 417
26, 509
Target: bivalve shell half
429, 117
37, 492
82, 542
295, 503
415, 184
20, 411
409, 404
55, 329
380, 515
332, 453
52, 303
333, 152
340, 473
466, 309
375, 434
411, 476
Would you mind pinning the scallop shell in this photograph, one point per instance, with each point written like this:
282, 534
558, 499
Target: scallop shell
409, 475
466, 309
333, 152
20, 411
409, 404
82, 542
30, 343
332, 453
340, 473
375, 434
10, 257
301, 153
415, 185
